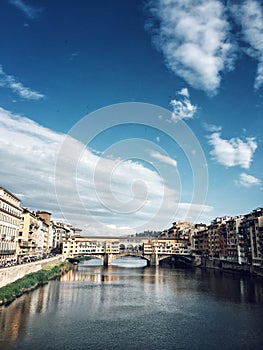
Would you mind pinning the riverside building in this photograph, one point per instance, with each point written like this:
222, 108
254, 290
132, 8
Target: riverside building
28, 233
44, 243
251, 236
233, 239
10, 215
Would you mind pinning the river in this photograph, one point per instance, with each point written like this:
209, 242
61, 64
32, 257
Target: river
125, 307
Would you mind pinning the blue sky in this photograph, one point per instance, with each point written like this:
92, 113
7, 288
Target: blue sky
201, 61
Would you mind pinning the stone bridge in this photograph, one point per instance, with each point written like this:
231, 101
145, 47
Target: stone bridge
152, 259
153, 250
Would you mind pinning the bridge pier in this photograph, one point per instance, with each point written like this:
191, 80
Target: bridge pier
107, 261
154, 260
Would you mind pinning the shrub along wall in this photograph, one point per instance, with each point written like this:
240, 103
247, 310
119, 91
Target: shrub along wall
13, 273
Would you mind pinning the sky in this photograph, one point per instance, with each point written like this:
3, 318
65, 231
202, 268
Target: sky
123, 116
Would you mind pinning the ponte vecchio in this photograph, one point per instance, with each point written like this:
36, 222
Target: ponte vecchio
109, 248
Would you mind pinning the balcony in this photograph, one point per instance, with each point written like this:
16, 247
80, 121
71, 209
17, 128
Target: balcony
24, 244
7, 252
33, 226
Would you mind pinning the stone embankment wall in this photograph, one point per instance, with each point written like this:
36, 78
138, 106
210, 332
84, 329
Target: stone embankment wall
13, 273
222, 265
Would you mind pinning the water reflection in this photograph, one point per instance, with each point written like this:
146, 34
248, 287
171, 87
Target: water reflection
100, 294
91, 262
129, 262
230, 287
15, 317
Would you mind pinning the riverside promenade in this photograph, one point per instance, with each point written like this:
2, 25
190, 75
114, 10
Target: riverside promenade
13, 273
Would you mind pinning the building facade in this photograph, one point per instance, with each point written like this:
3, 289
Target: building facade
28, 234
10, 215
251, 236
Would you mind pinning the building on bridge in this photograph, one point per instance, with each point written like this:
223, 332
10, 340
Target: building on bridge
168, 246
75, 245
109, 248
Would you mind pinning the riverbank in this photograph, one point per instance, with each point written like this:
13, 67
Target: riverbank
31, 281
229, 266
13, 273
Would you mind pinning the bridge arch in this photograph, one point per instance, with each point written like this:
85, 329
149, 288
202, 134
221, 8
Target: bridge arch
122, 247
132, 254
90, 256
177, 260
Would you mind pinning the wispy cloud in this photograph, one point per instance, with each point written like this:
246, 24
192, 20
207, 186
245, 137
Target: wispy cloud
183, 108
73, 56
196, 207
233, 152
193, 36
211, 127
28, 10
10, 82
28, 156
249, 14
163, 158
247, 180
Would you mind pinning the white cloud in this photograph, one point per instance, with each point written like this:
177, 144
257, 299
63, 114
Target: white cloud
28, 10
105, 187
164, 159
248, 180
211, 127
232, 152
193, 38
184, 92
183, 109
191, 209
249, 14
10, 82
195, 207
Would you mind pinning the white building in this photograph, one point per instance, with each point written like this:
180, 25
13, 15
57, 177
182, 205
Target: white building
10, 214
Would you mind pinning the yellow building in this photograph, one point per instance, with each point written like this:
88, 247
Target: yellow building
27, 239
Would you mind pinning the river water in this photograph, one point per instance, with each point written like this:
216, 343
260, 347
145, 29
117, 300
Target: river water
92, 307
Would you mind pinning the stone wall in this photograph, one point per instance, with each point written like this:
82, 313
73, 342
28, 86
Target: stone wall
13, 273
222, 265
